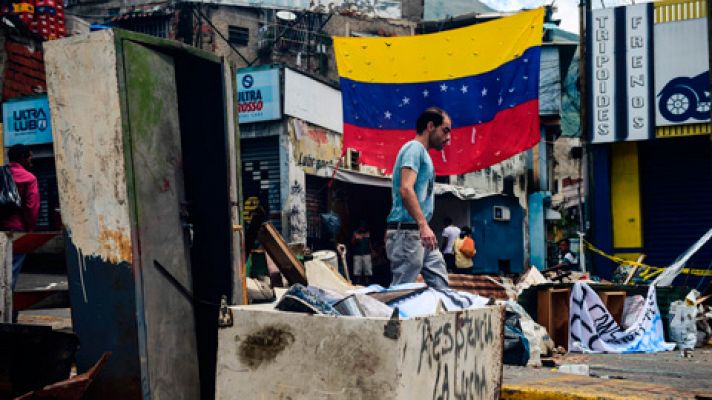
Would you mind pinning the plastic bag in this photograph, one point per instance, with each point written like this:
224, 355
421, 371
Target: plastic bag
9, 196
516, 345
683, 327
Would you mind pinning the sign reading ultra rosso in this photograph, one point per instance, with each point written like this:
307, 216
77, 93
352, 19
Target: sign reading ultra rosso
258, 94
26, 121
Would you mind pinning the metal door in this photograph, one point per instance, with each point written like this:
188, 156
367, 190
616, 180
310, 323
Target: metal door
167, 343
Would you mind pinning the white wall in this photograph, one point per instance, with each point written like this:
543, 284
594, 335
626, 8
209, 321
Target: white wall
312, 101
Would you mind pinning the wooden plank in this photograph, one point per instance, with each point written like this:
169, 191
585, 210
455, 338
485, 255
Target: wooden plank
614, 302
278, 250
553, 314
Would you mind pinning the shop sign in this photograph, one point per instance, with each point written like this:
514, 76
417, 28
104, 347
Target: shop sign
603, 75
258, 92
639, 71
682, 84
621, 63
26, 121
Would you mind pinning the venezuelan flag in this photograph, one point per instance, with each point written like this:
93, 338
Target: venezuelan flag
486, 76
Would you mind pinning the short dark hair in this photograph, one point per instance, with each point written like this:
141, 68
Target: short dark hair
464, 231
432, 114
447, 221
567, 241
18, 152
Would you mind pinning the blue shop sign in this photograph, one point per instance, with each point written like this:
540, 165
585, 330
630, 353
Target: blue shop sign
26, 121
258, 94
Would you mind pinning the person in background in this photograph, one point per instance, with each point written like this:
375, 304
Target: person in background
450, 234
24, 219
567, 259
464, 249
361, 249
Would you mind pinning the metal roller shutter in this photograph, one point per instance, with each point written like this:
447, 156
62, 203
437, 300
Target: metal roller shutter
261, 174
676, 189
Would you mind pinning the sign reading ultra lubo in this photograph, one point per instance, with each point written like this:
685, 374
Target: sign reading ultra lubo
26, 121
258, 95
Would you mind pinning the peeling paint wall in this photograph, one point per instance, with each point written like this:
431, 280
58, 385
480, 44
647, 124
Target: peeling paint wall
88, 137
314, 147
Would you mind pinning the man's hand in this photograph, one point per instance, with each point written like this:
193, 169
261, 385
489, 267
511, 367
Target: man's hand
428, 238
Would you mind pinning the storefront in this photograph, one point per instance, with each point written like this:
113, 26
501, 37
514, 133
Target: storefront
651, 179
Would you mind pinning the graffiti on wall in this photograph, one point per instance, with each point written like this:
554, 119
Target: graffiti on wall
314, 147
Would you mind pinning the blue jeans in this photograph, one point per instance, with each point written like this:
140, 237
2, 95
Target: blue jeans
409, 258
17, 261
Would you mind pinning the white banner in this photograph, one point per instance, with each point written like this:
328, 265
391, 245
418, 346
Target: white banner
592, 329
603, 75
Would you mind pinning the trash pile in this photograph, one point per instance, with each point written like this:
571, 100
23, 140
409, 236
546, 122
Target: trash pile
546, 312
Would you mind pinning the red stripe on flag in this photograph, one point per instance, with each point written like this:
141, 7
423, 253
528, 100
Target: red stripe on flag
471, 147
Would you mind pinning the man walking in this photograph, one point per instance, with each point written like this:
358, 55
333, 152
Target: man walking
411, 245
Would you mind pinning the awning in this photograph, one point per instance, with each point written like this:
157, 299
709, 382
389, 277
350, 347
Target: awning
360, 178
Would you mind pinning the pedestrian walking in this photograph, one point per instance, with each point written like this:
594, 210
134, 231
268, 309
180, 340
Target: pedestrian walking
450, 234
24, 218
411, 245
464, 249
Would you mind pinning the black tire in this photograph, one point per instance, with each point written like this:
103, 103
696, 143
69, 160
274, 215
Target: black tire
678, 103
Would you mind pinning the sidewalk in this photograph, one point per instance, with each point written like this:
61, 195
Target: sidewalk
631, 376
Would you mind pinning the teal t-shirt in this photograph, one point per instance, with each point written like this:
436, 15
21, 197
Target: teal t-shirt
414, 156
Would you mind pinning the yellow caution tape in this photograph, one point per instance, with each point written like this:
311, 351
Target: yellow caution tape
648, 271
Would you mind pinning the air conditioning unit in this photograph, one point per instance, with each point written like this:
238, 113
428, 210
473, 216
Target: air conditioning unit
501, 213
351, 160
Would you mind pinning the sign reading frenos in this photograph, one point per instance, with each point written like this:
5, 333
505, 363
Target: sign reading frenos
258, 94
26, 121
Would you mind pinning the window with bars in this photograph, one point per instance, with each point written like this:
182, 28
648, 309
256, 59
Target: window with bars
238, 35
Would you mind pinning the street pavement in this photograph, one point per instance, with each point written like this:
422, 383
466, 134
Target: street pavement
616, 376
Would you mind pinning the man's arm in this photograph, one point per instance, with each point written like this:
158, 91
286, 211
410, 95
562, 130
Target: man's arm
410, 202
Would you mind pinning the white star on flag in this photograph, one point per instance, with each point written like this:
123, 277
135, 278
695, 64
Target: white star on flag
443, 88
499, 102
387, 114
425, 93
484, 92
463, 89
511, 90
406, 100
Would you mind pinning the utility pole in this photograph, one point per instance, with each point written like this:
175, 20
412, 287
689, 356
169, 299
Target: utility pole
584, 11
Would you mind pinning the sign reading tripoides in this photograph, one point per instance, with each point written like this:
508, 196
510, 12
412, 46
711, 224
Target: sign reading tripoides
621, 89
601, 41
258, 92
27, 121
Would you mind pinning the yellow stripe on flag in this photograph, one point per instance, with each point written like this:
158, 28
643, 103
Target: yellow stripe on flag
439, 56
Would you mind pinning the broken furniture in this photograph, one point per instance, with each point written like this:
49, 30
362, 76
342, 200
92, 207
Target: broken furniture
32, 356
73, 388
546, 305
146, 164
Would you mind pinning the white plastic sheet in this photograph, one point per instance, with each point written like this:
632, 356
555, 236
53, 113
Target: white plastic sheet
592, 329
